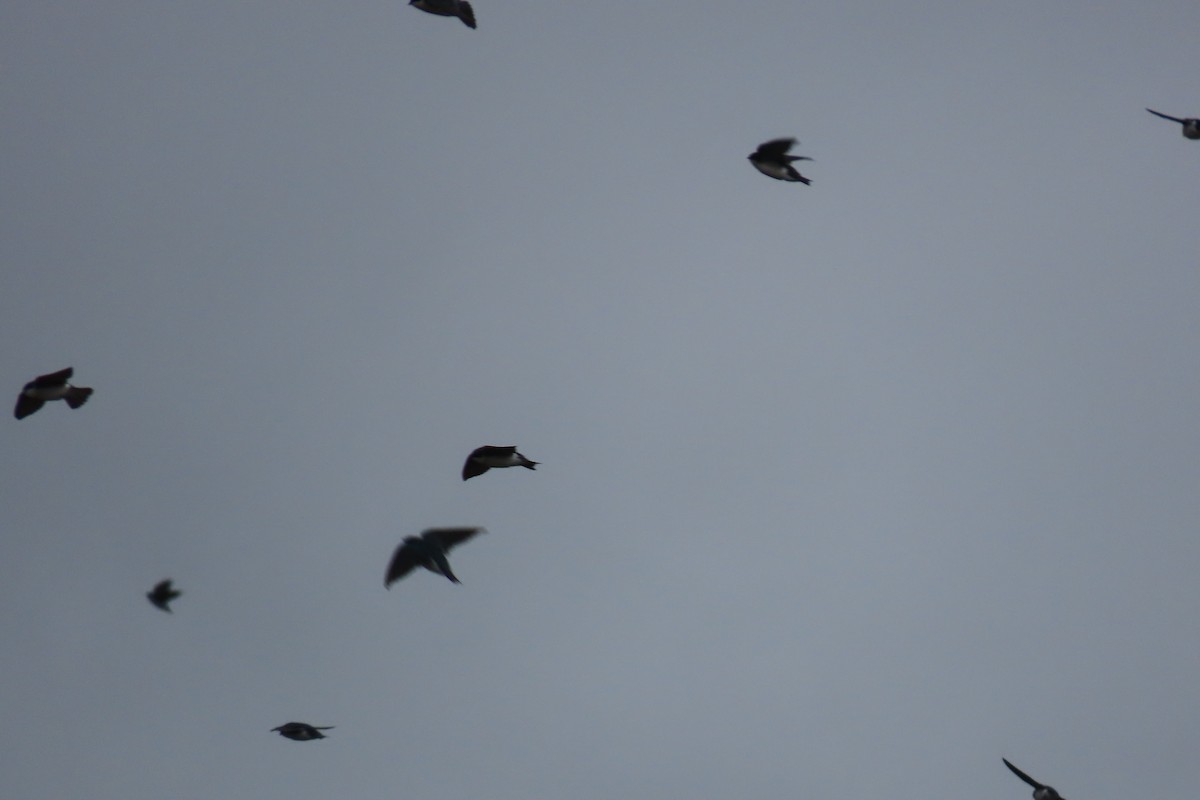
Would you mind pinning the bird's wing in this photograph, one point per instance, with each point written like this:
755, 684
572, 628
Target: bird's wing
1021, 775
403, 562
493, 450
449, 537
776, 148
25, 406
1165, 116
466, 14
471, 468
54, 378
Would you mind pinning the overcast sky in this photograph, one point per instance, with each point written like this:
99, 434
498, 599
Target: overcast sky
847, 490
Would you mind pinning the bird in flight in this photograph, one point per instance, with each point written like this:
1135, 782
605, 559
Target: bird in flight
1191, 125
489, 457
448, 8
301, 731
772, 159
429, 551
162, 594
52, 386
1040, 790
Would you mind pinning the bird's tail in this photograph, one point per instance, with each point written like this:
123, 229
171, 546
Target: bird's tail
78, 396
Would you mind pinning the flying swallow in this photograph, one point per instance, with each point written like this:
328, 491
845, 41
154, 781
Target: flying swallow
52, 386
301, 731
1191, 125
429, 551
448, 8
488, 457
771, 159
162, 594
1040, 790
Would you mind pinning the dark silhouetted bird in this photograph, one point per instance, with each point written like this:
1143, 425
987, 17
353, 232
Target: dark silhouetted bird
448, 8
771, 159
429, 551
53, 386
1040, 790
162, 594
490, 457
301, 731
1191, 125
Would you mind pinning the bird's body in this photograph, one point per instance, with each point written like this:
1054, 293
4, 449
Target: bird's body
448, 8
51, 386
491, 457
301, 731
1191, 125
1040, 790
772, 159
429, 551
162, 594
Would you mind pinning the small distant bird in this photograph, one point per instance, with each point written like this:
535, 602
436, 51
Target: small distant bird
302, 731
1040, 790
429, 551
771, 159
448, 8
162, 594
488, 457
53, 386
1191, 125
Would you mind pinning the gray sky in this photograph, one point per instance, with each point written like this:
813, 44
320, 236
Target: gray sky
847, 490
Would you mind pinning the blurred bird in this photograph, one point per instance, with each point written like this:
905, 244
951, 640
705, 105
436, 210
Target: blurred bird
771, 159
301, 731
429, 551
162, 594
1040, 790
448, 8
1191, 125
53, 386
488, 457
